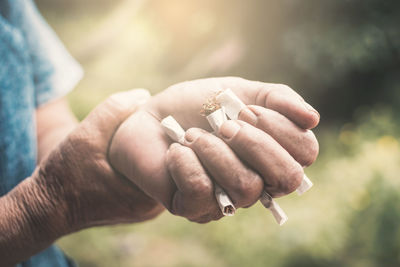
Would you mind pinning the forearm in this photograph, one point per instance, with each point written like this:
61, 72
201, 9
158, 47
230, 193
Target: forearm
31, 219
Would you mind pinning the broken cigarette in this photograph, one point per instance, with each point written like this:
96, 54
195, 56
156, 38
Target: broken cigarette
278, 213
233, 105
224, 202
216, 119
175, 131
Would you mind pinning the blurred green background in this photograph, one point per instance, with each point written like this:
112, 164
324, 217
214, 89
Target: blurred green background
343, 56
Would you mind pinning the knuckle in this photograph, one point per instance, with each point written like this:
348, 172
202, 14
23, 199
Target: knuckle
281, 88
272, 94
203, 140
244, 187
198, 186
207, 144
267, 119
249, 188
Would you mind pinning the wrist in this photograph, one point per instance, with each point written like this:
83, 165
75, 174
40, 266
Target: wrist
41, 205
31, 219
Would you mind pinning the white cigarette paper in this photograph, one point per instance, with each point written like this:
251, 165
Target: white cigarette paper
233, 105
175, 131
224, 202
305, 185
217, 118
278, 213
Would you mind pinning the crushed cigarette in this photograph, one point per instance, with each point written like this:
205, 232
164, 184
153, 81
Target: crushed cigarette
224, 202
217, 118
305, 185
175, 131
211, 105
233, 105
278, 213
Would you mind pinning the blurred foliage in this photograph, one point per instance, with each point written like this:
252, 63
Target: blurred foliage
343, 56
338, 54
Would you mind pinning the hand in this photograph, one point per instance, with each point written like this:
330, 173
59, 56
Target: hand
92, 191
268, 147
74, 187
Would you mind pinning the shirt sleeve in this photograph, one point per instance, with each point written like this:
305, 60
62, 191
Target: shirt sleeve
54, 71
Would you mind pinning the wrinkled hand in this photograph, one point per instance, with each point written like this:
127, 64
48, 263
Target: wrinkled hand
266, 148
79, 178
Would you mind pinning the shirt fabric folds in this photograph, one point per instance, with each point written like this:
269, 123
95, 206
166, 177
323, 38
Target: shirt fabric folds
35, 68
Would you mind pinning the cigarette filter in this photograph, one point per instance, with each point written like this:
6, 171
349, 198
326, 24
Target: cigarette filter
175, 131
233, 105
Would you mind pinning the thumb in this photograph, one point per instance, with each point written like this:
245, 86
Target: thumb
108, 115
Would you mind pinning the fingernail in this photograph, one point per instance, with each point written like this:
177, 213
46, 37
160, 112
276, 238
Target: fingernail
248, 116
310, 108
192, 134
229, 129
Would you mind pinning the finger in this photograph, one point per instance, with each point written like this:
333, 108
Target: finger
108, 115
278, 97
206, 219
300, 143
282, 174
141, 140
194, 198
243, 186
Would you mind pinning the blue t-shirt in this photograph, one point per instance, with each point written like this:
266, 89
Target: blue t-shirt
35, 68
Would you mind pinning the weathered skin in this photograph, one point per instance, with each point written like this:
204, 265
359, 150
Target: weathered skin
269, 147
